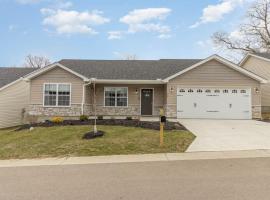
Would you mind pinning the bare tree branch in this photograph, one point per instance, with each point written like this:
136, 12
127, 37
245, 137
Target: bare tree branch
255, 32
36, 61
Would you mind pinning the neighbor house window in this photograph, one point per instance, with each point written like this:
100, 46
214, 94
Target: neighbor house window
57, 94
116, 96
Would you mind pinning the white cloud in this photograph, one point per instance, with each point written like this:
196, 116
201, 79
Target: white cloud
214, 13
236, 34
164, 36
139, 16
115, 35
62, 4
147, 20
71, 21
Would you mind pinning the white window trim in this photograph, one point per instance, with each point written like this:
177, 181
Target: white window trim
115, 106
56, 106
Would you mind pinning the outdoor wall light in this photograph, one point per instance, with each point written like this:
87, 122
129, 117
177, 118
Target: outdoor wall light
257, 90
172, 89
136, 91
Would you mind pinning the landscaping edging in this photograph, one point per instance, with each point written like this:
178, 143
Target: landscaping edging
111, 122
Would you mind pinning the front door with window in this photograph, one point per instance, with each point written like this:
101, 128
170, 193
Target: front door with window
146, 101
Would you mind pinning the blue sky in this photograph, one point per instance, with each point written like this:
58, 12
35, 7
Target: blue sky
112, 29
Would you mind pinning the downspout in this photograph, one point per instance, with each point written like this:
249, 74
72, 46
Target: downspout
83, 97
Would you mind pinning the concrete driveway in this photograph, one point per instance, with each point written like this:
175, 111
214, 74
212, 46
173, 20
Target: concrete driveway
227, 135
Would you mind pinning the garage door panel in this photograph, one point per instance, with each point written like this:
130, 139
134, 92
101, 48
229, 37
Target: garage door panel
216, 103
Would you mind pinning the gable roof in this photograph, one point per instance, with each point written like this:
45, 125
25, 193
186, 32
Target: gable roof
128, 69
263, 56
139, 71
223, 61
11, 74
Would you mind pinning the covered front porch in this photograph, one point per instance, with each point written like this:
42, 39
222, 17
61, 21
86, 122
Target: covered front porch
124, 100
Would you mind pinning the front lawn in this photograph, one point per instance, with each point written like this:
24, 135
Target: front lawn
67, 141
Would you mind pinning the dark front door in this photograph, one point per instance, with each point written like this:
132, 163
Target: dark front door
146, 101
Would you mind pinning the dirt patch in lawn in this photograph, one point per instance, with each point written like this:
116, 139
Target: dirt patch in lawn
110, 122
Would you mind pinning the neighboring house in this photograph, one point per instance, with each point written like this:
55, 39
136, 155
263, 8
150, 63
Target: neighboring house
185, 88
260, 64
14, 95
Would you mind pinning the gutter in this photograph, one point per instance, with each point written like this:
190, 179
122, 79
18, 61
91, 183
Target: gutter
157, 81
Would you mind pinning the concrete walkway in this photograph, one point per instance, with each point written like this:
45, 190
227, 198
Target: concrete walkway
135, 158
228, 135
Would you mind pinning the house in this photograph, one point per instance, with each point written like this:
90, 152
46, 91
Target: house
185, 88
14, 95
259, 63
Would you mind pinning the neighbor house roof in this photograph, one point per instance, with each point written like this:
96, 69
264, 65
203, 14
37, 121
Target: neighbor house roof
128, 69
11, 74
263, 56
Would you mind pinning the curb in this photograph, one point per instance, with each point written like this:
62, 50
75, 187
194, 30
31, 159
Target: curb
165, 157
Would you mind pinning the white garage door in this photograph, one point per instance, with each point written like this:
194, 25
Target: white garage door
214, 103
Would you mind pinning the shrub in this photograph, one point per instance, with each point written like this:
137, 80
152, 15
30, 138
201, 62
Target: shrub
57, 120
83, 118
129, 118
100, 117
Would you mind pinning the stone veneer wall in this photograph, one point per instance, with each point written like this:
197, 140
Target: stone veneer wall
170, 110
256, 112
39, 110
131, 110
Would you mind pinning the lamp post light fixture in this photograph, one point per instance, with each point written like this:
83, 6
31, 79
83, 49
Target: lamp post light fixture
257, 90
171, 89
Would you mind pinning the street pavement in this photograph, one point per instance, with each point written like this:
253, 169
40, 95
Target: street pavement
217, 179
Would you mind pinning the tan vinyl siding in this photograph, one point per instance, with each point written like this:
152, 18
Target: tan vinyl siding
13, 100
56, 75
212, 74
262, 68
133, 97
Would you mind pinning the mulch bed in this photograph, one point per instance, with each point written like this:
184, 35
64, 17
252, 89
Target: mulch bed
111, 122
265, 120
92, 135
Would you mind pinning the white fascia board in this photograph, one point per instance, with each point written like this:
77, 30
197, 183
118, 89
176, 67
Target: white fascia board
10, 84
49, 67
109, 81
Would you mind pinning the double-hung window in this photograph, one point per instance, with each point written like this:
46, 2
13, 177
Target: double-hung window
57, 94
116, 96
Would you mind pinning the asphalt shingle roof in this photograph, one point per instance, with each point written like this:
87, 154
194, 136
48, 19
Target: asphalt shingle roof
10, 74
264, 55
128, 69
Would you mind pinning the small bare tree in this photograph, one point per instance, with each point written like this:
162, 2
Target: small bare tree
130, 57
253, 35
36, 61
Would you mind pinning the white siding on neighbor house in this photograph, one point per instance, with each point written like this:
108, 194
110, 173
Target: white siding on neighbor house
260, 67
13, 100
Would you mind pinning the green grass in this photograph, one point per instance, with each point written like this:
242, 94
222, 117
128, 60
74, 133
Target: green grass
67, 141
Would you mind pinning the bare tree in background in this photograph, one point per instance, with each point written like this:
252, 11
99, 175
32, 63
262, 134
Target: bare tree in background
130, 57
36, 61
253, 35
